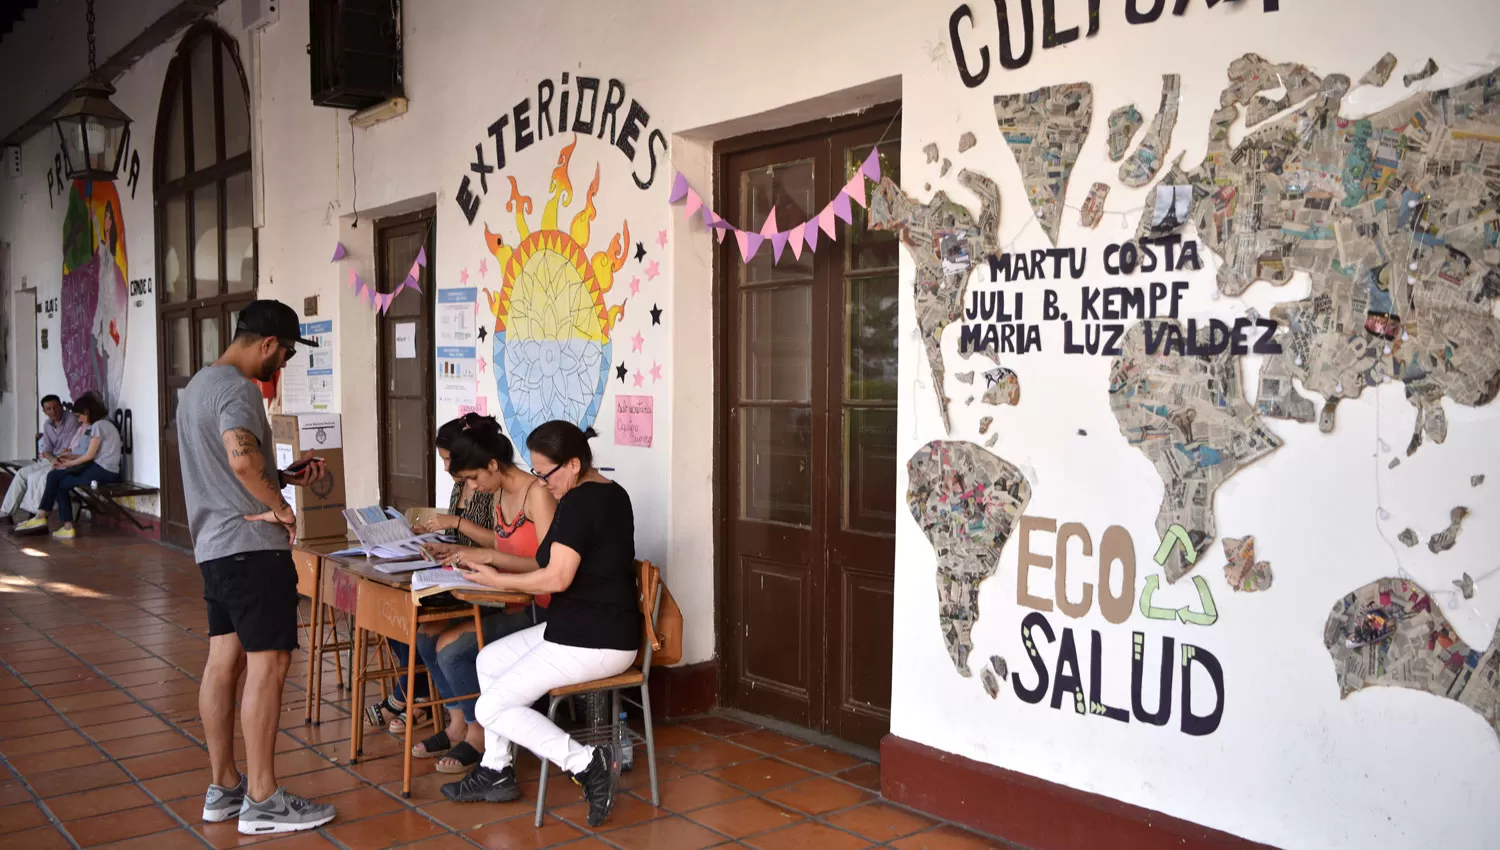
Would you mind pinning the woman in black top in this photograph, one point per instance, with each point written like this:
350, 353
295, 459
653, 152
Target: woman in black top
593, 630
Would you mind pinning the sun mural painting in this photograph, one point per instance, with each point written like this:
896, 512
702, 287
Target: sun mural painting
552, 326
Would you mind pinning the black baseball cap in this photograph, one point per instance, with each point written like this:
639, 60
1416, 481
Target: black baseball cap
272, 318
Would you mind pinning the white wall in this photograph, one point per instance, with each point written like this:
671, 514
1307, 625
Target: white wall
35, 230
1291, 765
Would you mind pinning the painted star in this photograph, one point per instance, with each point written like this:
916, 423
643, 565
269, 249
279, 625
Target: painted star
640, 380
653, 270
661, 238
640, 252
482, 333
637, 341
655, 371
463, 275
621, 372
655, 315
635, 286
483, 267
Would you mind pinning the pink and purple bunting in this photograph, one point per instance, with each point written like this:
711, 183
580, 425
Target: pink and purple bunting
804, 235
841, 207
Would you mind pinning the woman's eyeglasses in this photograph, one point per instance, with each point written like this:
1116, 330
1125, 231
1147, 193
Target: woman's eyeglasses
546, 476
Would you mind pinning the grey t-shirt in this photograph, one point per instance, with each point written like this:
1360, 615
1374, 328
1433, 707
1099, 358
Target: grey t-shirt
109, 444
216, 400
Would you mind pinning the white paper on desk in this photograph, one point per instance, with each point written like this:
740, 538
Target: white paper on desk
346, 552
393, 567
444, 578
412, 546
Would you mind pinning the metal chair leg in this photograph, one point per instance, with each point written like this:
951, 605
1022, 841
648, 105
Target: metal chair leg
541, 786
650, 743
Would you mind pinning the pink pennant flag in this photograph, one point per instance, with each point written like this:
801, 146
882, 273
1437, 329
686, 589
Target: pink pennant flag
841, 208
693, 203
855, 188
353, 279
810, 235
795, 237
720, 234
422, 256
339, 253
778, 243
679, 188
769, 227
825, 220
749, 243
871, 166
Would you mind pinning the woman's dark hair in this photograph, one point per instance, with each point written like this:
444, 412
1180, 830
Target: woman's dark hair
563, 441
477, 443
450, 430
92, 406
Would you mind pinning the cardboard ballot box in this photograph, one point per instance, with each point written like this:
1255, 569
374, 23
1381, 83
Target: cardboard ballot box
320, 505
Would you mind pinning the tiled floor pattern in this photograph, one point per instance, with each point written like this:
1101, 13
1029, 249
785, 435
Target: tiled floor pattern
101, 643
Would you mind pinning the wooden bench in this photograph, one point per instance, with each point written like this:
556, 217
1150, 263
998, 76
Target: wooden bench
103, 499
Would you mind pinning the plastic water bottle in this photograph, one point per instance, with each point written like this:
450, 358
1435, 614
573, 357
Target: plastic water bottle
627, 754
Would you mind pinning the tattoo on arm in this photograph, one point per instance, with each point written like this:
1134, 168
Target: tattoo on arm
245, 443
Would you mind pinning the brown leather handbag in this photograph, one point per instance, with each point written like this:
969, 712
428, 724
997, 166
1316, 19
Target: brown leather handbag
665, 638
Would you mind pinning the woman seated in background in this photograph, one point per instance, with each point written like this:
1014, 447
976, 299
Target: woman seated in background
593, 630
98, 464
473, 511
483, 458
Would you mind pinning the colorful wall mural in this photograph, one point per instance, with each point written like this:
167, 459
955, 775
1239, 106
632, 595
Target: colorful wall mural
95, 298
552, 326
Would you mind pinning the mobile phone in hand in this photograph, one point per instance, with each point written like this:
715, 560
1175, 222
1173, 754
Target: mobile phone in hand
302, 464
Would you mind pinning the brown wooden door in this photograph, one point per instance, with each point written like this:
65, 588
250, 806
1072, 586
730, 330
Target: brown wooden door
808, 411
405, 361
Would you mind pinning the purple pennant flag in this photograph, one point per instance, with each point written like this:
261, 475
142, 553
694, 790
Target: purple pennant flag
810, 235
411, 280
679, 188
871, 166
339, 253
422, 256
841, 207
754, 239
778, 243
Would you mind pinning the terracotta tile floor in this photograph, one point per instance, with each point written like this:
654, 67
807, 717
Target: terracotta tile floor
102, 641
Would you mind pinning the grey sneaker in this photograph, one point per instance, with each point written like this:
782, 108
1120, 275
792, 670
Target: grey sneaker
221, 804
282, 812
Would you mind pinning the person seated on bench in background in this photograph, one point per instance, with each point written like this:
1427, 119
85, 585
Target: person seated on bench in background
476, 510
58, 433
483, 458
587, 562
100, 464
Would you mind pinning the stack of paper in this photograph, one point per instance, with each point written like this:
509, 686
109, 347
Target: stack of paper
442, 578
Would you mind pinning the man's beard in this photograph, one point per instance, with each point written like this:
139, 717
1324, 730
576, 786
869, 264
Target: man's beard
268, 370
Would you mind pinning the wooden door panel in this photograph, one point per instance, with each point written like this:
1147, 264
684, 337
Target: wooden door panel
807, 428
860, 698
774, 598
406, 383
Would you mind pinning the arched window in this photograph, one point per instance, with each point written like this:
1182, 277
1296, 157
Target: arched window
205, 234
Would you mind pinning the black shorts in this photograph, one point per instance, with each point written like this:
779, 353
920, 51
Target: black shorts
253, 595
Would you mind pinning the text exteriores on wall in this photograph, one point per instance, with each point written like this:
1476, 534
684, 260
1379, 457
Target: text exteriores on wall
579, 108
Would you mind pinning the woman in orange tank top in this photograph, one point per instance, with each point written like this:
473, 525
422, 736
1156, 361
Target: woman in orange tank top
483, 458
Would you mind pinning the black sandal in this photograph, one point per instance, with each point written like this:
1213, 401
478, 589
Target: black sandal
464, 753
375, 714
433, 746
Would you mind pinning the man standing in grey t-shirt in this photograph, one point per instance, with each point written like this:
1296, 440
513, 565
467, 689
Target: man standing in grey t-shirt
242, 530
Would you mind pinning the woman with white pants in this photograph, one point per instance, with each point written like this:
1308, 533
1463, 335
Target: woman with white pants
593, 628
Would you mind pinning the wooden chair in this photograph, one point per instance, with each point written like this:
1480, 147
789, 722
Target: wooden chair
616, 733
